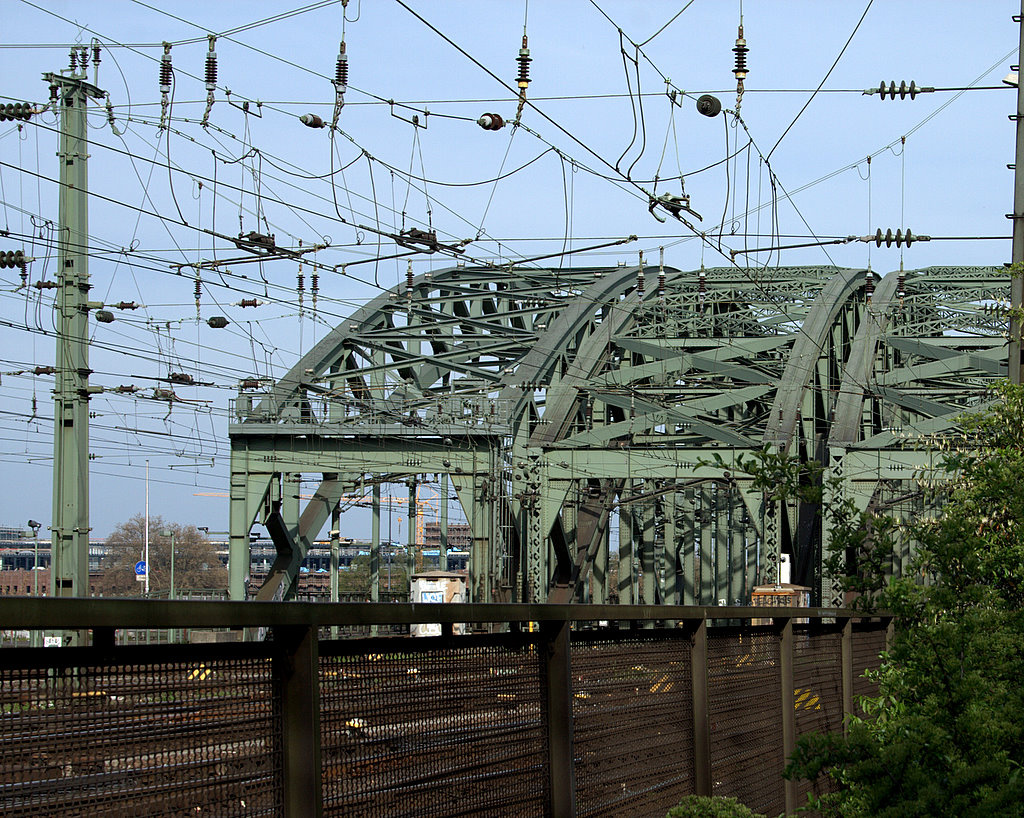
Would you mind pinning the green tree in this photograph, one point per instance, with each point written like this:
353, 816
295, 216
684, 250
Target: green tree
862, 542
196, 564
356, 580
945, 734
699, 806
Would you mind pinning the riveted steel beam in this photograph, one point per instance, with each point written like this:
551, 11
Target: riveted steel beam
535, 390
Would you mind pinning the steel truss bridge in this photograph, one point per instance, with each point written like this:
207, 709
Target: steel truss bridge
576, 410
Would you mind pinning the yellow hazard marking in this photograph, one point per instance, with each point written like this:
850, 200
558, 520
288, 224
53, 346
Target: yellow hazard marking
663, 685
200, 673
806, 699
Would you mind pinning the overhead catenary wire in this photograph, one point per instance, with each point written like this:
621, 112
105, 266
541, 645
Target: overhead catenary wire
562, 160
824, 79
498, 79
240, 189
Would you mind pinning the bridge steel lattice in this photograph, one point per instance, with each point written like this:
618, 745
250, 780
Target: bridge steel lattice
563, 404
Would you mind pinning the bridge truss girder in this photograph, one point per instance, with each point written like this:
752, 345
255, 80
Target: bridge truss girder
565, 403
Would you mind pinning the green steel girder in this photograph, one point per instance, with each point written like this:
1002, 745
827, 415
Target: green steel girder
807, 349
268, 455
558, 400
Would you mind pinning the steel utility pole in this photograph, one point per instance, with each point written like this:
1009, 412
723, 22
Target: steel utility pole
69, 568
1017, 253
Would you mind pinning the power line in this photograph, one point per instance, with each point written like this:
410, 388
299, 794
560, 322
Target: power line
823, 79
423, 179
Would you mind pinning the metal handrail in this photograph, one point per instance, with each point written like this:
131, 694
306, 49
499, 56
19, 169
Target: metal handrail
78, 613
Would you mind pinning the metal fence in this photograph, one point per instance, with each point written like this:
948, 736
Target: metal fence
558, 714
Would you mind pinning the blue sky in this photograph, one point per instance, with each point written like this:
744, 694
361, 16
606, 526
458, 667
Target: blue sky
947, 179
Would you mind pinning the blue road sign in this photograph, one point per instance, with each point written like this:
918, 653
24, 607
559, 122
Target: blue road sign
140, 568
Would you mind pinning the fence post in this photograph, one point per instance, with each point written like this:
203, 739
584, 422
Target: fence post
102, 638
296, 672
702, 783
788, 706
847, 669
558, 692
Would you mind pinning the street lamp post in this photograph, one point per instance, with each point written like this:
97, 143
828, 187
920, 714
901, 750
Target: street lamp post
35, 568
35, 526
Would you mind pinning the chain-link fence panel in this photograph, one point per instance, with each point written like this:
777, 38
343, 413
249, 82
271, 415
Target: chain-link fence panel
149, 731
745, 707
633, 722
413, 728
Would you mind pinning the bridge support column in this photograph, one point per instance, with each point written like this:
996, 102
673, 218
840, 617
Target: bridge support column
831, 585
705, 520
600, 572
739, 592
648, 559
375, 546
625, 556
723, 567
687, 578
290, 506
670, 553
248, 493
